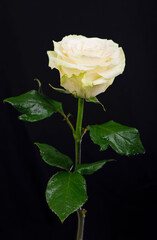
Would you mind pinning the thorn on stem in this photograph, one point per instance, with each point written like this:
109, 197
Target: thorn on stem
84, 211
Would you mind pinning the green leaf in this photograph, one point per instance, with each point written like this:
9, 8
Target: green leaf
53, 157
124, 140
95, 100
91, 167
34, 106
61, 90
65, 193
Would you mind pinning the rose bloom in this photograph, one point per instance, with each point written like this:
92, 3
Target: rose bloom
87, 66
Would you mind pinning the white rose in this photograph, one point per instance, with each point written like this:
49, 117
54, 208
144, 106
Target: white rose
87, 66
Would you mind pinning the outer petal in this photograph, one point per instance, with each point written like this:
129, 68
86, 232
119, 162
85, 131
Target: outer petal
74, 84
114, 71
97, 87
78, 85
57, 46
55, 62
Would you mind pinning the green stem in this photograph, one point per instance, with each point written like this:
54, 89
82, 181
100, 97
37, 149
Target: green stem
78, 139
81, 220
78, 132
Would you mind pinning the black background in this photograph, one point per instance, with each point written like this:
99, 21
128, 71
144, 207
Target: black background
122, 201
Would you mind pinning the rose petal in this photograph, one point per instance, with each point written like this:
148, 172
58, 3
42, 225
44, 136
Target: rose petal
78, 85
55, 62
114, 70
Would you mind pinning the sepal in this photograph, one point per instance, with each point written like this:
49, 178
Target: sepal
95, 100
61, 90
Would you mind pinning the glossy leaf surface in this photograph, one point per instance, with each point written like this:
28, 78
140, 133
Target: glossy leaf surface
34, 106
65, 193
53, 157
124, 140
90, 167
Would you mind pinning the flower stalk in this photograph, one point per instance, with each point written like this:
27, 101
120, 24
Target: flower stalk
78, 139
78, 132
81, 220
